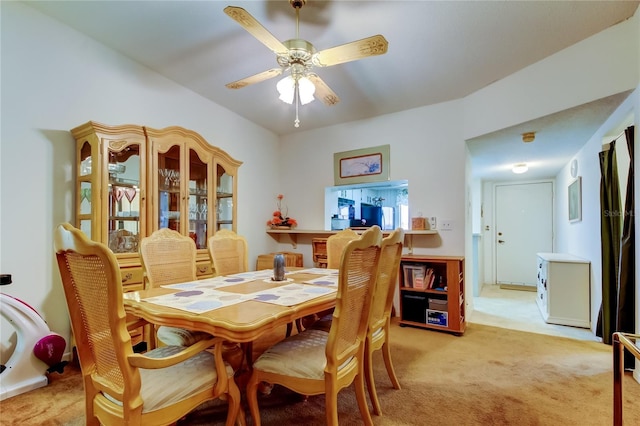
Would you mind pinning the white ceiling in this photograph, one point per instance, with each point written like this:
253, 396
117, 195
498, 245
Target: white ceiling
438, 51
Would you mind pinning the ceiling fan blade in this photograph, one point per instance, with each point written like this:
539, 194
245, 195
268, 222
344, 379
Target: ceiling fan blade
257, 78
370, 46
256, 29
323, 91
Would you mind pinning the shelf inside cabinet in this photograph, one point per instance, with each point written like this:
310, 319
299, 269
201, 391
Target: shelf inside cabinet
169, 190
424, 290
124, 183
128, 218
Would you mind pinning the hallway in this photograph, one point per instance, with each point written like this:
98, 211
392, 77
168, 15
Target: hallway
517, 310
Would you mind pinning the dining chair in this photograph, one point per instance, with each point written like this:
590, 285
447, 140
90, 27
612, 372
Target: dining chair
335, 247
316, 362
229, 252
380, 317
168, 257
123, 387
291, 259
336, 244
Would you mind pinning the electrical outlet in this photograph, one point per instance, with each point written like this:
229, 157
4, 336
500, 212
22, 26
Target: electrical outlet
432, 222
446, 225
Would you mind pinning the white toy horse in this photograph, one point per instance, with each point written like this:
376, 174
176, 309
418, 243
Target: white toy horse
36, 348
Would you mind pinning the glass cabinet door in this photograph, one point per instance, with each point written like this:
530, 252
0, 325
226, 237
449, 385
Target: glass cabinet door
198, 199
124, 201
224, 199
85, 202
110, 185
169, 189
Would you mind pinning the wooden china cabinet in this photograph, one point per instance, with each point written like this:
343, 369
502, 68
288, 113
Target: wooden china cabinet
133, 180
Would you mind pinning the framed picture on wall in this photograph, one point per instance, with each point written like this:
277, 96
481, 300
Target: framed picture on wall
575, 200
361, 165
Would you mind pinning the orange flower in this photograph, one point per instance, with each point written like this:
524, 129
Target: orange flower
278, 217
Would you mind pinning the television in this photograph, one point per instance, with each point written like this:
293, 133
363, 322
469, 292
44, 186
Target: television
371, 214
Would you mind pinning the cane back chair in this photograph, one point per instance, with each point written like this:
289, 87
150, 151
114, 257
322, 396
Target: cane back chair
123, 387
168, 257
317, 362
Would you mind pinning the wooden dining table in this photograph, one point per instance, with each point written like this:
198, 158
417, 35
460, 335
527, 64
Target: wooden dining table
242, 322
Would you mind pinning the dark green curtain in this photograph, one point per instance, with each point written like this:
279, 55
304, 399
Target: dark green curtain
625, 312
610, 241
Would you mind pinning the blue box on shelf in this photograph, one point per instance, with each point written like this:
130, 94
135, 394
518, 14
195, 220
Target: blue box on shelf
437, 317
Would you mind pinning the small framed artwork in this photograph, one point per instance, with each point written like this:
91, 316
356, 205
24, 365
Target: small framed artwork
575, 200
361, 165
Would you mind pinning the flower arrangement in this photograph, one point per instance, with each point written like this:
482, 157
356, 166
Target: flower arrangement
280, 218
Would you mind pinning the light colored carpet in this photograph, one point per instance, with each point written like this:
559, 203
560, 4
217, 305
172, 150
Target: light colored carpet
488, 376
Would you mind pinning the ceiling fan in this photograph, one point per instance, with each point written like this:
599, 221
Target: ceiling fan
299, 57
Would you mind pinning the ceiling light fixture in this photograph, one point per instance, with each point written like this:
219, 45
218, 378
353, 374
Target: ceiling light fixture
296, 88
520, 168
528, 137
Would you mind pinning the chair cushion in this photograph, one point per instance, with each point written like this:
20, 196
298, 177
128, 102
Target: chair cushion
166, 386
174, 336
301, 355
377, 333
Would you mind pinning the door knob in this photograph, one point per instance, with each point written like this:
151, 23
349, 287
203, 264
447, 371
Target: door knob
500, 241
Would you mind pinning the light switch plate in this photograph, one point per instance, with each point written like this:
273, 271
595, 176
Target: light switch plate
432, 222
446, 225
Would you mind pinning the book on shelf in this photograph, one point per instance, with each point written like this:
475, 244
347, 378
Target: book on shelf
418, 278
414, 276
429, 278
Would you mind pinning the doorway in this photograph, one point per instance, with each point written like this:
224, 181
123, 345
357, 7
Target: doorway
524, 227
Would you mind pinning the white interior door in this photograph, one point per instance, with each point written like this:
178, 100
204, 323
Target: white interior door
524, 227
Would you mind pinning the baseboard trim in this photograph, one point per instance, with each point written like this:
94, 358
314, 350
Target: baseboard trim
518, 287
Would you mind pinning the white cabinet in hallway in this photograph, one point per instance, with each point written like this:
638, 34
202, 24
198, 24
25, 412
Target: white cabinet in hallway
563, 289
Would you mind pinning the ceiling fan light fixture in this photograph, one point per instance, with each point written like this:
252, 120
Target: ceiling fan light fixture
520, 168
306, 90
287, 89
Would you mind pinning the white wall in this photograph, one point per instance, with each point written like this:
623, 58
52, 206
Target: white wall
427, 149
601, 65
54, 79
